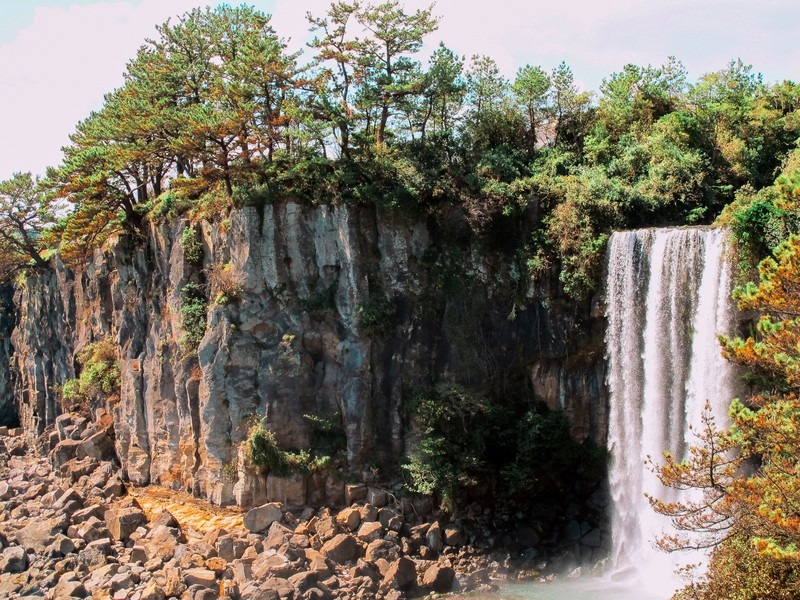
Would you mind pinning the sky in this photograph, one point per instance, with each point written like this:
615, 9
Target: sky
59, 57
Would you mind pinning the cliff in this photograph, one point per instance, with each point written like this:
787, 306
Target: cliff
336, 311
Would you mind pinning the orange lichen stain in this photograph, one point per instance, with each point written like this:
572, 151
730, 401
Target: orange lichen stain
189, 512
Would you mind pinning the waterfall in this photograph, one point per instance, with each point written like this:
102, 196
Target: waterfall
668, 296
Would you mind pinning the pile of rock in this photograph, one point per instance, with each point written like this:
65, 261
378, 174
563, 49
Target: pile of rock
69, 529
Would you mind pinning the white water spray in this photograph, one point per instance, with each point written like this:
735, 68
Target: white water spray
668, 296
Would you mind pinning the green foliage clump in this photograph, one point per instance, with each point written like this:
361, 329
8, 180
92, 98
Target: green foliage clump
99, 375
320, 302
25, 214
192, 246
264, 452
546, 453
376, 317
193, 310
472, 443
328, 438
761, 220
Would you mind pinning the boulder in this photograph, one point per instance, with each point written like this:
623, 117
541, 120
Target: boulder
453, 536
439, 578
94, 510
13, 560
123, 521
381, 549
97, 446
369, 532
152, 591
92, 529
341, 549
326, 528
173, 582
303, 581
277, 536
37, 535
433, 538
401, 575
69, 588
203, 577
64, 451
349, 518
377, 497
272, 564
354, 493
261, 517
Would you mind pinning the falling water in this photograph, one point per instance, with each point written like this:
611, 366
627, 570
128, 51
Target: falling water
668, 296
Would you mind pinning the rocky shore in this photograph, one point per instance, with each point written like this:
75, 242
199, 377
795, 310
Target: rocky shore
71, 527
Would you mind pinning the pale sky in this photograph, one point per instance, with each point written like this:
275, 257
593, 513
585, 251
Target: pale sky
59, 57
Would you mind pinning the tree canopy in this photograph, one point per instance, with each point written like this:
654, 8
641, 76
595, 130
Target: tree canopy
214, 112
24, 215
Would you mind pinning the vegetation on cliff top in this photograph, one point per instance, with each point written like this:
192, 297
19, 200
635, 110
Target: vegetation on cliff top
214, 112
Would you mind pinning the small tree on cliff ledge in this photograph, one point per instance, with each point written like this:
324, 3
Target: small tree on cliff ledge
23, 217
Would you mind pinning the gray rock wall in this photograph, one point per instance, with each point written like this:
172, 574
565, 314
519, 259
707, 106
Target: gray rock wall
8, 406
286, 336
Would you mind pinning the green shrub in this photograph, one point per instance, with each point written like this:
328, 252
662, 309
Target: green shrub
253, 195
193, 310
376, 317
321, 302
192, 246
263, 452
473, 443
99, 375
328, 437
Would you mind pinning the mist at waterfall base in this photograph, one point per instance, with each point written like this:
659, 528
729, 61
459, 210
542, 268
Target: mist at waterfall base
668, 296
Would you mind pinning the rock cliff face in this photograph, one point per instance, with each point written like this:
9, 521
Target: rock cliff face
334, 311
8, 409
